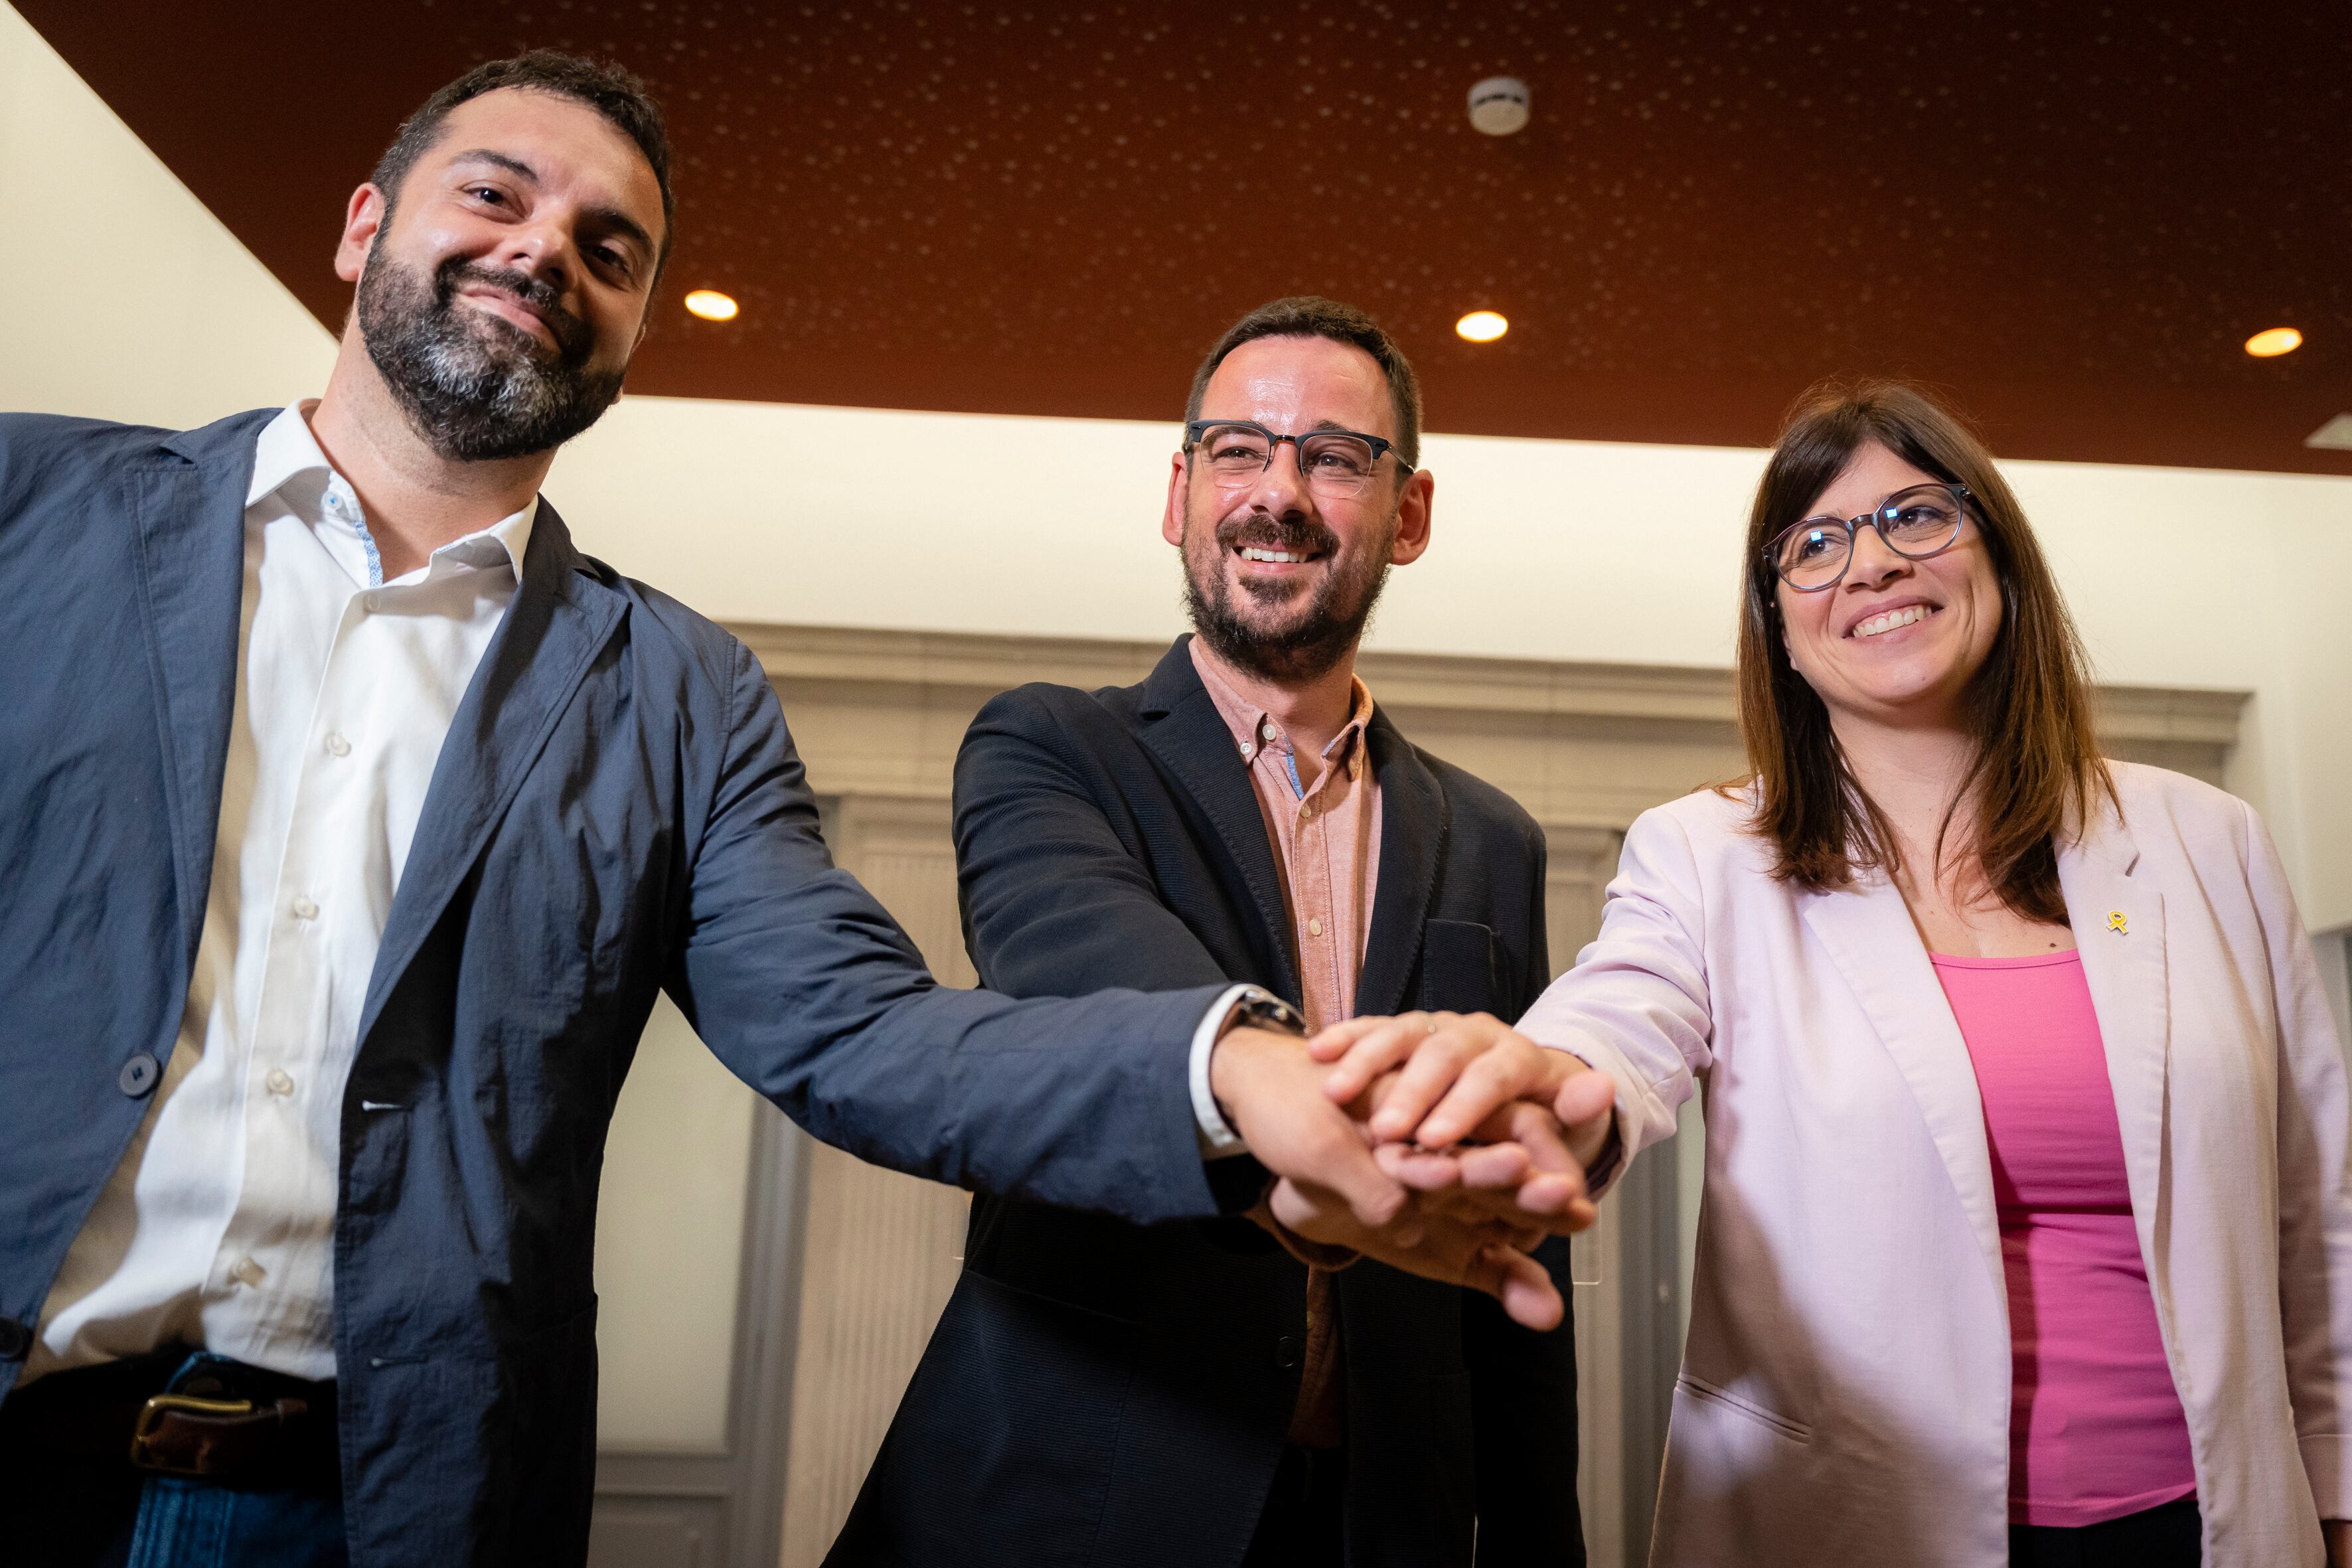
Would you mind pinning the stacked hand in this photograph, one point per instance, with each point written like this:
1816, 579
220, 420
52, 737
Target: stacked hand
1443, 1145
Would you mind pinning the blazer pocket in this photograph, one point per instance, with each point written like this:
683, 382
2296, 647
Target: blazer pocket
1457, 967
1705, 1392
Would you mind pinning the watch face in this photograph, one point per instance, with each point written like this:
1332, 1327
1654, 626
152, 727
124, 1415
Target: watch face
1273, 1010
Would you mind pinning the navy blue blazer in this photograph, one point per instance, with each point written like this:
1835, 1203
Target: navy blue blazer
1111, 1394
618, 810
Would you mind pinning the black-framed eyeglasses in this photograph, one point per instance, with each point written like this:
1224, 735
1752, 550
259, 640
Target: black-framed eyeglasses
1333, 462
1914, 523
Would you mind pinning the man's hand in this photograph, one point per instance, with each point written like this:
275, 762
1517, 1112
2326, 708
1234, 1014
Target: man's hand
1455, 1070
1272, 1092
1478, 1255
1517, 1171
1473, 1212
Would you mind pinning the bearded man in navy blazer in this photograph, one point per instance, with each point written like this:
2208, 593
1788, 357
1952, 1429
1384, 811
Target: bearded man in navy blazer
350, 821
1192, 1394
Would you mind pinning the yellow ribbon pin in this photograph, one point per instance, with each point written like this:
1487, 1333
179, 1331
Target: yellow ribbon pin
2117, 924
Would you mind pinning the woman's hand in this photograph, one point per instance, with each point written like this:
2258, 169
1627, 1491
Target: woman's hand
1455, 1070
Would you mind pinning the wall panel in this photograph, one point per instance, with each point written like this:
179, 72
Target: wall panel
883, 1250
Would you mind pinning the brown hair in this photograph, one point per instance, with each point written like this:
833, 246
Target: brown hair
1308, 316
608, 89
2036, 772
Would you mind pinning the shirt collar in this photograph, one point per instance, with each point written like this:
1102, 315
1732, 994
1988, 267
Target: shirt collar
503, 544
288, 462
286, 451
1248, 723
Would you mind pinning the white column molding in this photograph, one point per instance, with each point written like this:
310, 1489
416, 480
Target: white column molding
1586, 744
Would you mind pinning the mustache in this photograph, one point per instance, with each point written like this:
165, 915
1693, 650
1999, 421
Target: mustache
570, 334
1291, 535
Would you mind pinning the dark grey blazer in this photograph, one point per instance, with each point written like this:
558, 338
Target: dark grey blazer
1107, 1394
618, 810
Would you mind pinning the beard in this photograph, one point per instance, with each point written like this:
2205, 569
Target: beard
476, 387
1249, 628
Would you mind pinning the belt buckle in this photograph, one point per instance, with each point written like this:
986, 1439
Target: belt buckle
152, 1417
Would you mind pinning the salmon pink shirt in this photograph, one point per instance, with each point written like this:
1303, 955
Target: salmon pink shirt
2095, 1428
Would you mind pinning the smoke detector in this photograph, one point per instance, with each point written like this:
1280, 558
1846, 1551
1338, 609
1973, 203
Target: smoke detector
1498, 106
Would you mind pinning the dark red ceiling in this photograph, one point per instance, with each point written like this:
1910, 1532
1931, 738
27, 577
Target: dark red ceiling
2069, 214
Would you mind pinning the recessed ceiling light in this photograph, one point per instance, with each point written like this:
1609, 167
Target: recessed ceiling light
711, 305
2276, 341
1482, 326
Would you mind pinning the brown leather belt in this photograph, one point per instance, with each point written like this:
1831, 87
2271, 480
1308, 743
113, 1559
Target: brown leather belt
211, 1420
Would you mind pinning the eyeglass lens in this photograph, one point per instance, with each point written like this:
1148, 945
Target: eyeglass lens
1915, 522
1334, 462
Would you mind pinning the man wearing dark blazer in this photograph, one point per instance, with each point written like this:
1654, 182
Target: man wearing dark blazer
1195, 1393
349, 822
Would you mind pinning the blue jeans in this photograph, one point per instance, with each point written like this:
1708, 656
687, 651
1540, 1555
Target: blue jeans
167, 1522
187, 1525
73, 1520
78, 1512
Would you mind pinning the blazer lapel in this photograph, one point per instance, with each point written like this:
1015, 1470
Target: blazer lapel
190, 509
1413, 823
1185, 731
559, 620
1868, 933
2119, 926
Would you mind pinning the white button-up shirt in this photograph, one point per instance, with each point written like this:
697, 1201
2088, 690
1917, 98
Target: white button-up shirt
219, 1228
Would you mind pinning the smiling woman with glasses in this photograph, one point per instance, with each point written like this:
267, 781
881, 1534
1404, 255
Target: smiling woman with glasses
2025, 1234
2026, 1230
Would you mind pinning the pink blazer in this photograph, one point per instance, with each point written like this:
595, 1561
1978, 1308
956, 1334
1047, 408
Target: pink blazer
1844, 1390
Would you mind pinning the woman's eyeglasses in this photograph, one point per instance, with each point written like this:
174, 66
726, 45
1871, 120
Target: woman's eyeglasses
1914, 523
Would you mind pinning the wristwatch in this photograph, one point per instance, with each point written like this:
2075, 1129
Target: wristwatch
1252, 1007
1257, 1009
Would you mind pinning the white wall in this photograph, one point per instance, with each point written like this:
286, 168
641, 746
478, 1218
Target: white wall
669, 1245
121, 295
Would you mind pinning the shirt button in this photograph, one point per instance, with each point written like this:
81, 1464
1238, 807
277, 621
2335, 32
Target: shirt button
138, 1075
1248, 751
1268, 730
1314, 928
371, 601
1286, 1354
16, 1340
280, 1082
337, 746
304, 910
247, 1272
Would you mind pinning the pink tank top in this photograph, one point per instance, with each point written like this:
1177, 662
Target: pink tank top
2095, 1430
